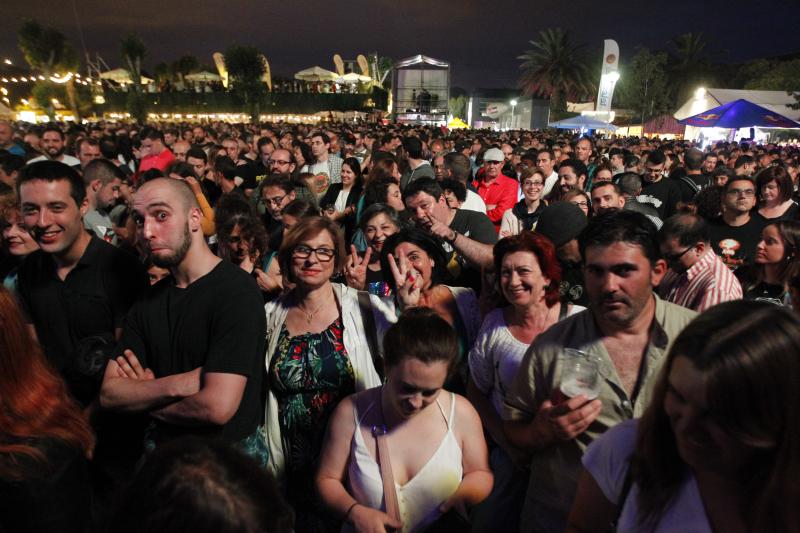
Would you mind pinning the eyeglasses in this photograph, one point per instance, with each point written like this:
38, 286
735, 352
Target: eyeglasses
673, 258
275, 200
302, 251
747, 193
493, 163
533, 184
583, 203
277, 162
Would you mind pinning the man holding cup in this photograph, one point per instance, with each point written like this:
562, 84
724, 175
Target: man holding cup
625, 334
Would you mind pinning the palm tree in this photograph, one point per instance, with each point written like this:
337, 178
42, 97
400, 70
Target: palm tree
555, 68
245, 68
689, 65
133, 51
47, 50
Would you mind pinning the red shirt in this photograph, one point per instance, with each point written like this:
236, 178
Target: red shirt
501, 193
160, 161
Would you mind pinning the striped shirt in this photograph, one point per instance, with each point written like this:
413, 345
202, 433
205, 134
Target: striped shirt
708, 282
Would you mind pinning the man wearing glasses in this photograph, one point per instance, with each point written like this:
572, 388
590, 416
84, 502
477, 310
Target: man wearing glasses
735, 234
697, 279
498, 191
276, 193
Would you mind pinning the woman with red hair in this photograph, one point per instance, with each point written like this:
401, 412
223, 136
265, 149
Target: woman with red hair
528, 275
45, 440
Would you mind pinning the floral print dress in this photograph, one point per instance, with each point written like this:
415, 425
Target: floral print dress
309, 374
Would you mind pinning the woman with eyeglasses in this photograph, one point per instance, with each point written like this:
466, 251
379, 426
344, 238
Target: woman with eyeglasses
317, 354
580, 198
525, 214
528, 276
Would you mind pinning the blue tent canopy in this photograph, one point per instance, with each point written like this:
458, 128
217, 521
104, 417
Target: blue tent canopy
582, 122
739, 114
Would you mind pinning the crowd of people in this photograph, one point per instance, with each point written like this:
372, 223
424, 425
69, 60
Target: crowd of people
361, 327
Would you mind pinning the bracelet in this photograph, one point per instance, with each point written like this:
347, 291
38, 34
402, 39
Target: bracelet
455, 236
349, 509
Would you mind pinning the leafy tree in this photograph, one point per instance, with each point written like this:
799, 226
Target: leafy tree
643, 84
46, 49
245, 69
556, 68
458, 106
776, 76
186, 64
133, 51
382, 67
689, 66
164, 72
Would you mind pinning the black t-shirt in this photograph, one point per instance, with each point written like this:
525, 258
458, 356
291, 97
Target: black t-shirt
477, 227
664, 195
736, 246
217, 322
75, 319
690, 190
572, 288
246, 171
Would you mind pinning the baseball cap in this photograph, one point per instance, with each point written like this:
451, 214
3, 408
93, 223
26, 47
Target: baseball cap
494, 154
561, 222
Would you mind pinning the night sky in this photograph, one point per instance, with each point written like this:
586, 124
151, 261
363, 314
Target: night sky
481, 39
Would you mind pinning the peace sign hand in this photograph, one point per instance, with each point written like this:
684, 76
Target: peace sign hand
355, 270
407, 281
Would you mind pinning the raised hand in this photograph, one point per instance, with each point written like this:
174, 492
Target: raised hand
407, 281
438, 228
355, 270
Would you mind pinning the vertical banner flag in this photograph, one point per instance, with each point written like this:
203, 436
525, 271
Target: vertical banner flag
362, 64
219, 61
609, 75
339, 64
267, 77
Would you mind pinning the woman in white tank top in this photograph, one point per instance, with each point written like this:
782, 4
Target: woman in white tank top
434, 440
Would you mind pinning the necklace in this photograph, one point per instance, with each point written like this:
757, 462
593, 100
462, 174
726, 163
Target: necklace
310, 316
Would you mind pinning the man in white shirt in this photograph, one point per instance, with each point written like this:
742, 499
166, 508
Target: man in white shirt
53, 146
326, 163
546, 160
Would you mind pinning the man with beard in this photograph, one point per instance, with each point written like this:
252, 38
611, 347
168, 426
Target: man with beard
626, 333
192, 351
53, 147
103, 180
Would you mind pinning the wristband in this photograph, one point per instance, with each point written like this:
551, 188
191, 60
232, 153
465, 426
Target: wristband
455, 236
349, 509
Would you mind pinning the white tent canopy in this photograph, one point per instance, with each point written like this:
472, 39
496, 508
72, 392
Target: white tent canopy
120, 75
316, 73
204, 76
352, 78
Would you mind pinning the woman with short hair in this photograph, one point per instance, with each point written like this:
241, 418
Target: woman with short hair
775, 189
317, 354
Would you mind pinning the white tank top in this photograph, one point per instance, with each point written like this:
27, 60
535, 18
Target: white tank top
419, 499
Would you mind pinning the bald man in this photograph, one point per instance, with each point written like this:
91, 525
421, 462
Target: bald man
192, 350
